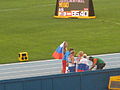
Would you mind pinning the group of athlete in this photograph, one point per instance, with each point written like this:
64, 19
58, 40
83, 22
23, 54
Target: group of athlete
80, 63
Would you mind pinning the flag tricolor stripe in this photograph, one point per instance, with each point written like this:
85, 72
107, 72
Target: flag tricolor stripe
58, 54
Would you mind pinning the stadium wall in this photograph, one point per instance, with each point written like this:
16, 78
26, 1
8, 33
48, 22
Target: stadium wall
91, 80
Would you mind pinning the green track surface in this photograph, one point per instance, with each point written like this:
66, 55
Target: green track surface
28, 25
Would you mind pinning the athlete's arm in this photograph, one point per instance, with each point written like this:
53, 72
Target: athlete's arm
72, 59
94, 63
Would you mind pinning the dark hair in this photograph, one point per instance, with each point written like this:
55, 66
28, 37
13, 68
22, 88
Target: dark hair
71, 49
85, 56
90, 57
72, 52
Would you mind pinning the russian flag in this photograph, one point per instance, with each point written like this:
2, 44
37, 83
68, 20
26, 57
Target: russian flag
58, 54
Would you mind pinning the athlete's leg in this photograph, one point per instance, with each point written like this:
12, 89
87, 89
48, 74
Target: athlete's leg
63, 66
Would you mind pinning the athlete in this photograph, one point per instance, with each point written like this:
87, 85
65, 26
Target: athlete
71, 63
97, 62
65, 59
80, 55
82, 64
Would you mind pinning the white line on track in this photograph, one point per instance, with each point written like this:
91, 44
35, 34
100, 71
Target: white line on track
29, 66
22, 63
113, 62
55, 60
11, 72
108, 54
28, 75
52, 60
26, 68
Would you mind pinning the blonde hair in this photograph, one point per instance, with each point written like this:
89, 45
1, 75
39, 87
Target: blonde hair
85, 54
80, 52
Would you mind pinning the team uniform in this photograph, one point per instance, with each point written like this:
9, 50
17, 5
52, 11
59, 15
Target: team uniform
64, 61
82, 65
71, 65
